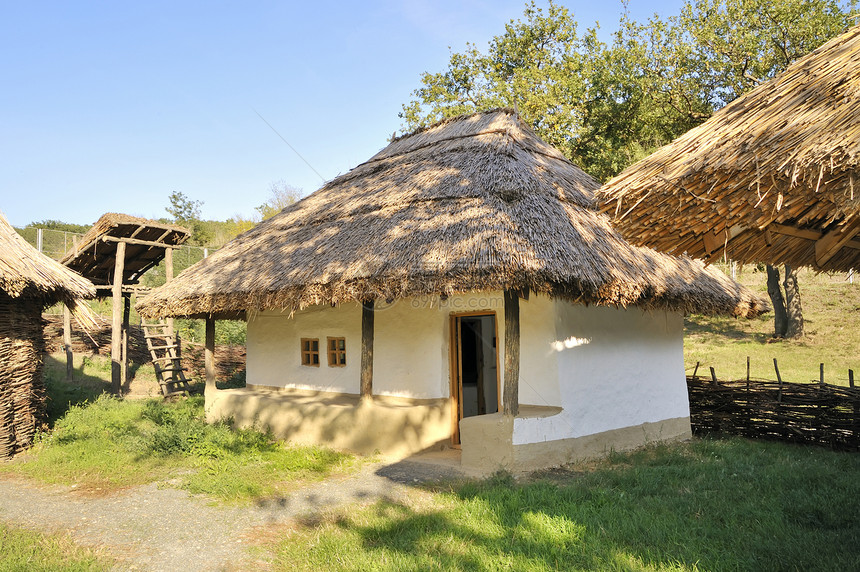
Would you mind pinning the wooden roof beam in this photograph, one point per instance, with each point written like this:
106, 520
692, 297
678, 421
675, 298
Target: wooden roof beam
828, 245
713, 241
140, 242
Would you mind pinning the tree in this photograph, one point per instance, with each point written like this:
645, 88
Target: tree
187, 213
780, 318
281, 196
182, 209
793, 310
606, 106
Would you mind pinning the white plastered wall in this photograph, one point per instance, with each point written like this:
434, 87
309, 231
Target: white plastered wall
615, 368
606, 368
410, 350
273, 348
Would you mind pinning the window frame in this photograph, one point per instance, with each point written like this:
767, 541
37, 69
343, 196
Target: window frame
336, 355
308, 355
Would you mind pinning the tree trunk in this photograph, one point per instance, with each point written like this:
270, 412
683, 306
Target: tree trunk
793, 309
780, 318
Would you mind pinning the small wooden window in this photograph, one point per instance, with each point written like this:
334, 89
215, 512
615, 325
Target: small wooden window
336, 352
311, 352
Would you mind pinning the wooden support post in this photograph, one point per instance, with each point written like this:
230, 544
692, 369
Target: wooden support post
168, 276
67, 342
126, 311
511, 392
696, 371
209, 356
116, 323
779, 379
713, 376
367, 316
856, 425
748, 373
821, 375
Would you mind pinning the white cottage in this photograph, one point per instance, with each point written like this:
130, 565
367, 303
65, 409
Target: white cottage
457, 289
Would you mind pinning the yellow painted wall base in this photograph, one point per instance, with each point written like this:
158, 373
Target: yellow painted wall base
394, 426
487, 443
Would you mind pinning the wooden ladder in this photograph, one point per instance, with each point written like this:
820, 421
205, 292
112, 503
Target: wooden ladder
166, 358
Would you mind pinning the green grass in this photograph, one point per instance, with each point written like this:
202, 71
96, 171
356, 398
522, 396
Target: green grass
110, 443
706, 505
24, 550
831, 308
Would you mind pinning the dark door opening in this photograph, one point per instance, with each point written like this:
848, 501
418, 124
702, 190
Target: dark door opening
477, 379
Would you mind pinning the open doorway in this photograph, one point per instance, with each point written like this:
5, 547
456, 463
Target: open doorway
474, 367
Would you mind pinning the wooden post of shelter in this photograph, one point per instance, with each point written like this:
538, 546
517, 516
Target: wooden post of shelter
116, 324
367, 315
209, 355
168, 276
67, 342
511, 394
126, 312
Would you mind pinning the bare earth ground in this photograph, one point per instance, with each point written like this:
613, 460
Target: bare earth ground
156, 528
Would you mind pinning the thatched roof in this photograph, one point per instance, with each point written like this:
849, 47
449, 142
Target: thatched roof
95, 255
26, 273
476, 203
771, 177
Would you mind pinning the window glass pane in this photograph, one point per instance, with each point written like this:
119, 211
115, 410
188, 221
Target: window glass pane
341, 344
315, 345
316, 359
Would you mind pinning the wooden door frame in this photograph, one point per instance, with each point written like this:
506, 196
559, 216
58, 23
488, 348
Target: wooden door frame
456, 365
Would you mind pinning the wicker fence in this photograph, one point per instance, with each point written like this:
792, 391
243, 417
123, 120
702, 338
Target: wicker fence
814, 413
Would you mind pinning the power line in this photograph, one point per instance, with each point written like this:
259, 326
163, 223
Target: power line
290, 146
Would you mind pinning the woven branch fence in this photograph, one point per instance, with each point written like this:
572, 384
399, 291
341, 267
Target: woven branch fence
22, 391
812, 413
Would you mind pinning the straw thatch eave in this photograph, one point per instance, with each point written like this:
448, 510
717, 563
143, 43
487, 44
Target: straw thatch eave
478, 203
26, 273
772, 177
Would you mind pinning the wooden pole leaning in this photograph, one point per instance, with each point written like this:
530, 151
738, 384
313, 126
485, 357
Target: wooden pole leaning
116, 322
511, 392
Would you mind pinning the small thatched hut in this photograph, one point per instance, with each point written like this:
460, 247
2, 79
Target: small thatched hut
29, 281
772, 177
389, 281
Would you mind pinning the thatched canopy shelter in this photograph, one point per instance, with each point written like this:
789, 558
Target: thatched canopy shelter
114, 254
474, 203
772, 177
146, 243
29, 281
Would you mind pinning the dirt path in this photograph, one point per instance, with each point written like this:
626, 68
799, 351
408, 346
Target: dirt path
165, 529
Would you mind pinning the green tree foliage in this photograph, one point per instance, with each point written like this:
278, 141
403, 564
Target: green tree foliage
59, 225
607, 105
281, 195
187, 213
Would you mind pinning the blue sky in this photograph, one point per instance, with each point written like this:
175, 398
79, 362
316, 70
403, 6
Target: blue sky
111, 106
